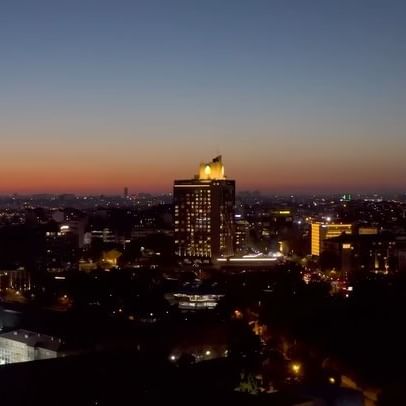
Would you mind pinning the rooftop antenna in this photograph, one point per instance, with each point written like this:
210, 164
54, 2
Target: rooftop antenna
217, 151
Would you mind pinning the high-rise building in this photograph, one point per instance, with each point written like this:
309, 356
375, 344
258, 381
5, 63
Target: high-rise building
323, 231
204, 213
61, 249
242, 229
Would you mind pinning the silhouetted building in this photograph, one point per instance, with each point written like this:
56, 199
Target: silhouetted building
104, 234
364, 252
15, 281
61, 249
242, 230
204, 213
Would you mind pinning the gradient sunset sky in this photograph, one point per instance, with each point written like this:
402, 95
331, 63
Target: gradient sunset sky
297, 95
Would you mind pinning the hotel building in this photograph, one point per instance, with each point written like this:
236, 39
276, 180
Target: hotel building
204, 213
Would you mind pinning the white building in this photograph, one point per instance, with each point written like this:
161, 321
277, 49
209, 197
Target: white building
23, 345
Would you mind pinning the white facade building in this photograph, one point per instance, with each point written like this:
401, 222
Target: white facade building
23, 345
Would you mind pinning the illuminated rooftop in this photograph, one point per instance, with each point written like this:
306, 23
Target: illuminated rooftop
213, 170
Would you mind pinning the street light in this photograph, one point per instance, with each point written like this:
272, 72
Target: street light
296, 368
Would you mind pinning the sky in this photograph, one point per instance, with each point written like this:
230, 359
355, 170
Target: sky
298, 96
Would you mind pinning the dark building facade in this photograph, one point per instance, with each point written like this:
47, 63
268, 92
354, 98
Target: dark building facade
204, 213
61, 251
363, 252
242, 231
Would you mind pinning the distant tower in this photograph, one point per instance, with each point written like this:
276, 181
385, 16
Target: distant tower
126, 192
204, 213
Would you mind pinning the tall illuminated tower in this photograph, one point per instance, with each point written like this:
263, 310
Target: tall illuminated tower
204, 213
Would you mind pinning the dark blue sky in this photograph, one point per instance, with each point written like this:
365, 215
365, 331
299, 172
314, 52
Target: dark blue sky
297, 95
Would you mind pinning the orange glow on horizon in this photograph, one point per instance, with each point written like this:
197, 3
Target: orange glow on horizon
109, 173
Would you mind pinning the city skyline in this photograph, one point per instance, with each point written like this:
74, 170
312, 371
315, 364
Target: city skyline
206, 198
95, 186
299, 98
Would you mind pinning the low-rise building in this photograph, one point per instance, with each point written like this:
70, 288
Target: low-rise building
24, 345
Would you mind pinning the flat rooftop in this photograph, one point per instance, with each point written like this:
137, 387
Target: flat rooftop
34, 339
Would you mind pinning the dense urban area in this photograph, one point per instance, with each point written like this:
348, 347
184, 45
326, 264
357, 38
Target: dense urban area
115, 295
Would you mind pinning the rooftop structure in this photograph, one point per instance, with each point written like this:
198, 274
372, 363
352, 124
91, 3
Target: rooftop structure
24, 345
